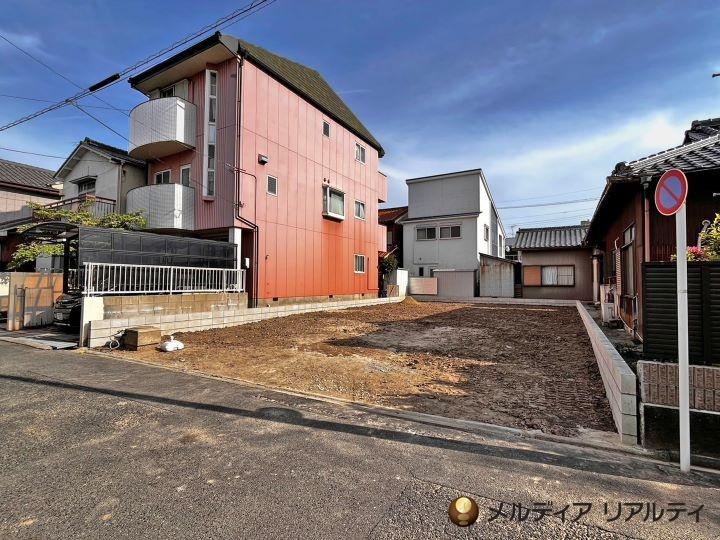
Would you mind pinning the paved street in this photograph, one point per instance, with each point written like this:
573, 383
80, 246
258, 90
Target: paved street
95, 447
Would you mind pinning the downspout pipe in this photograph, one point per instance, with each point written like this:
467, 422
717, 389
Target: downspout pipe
238, 187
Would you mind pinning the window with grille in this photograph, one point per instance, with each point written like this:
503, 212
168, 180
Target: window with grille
359, 264
272, 185
86, 187
185, 175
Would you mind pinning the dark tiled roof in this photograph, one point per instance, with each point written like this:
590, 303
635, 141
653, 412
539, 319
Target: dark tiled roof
388, 215
550, 237
305, 81
700, 150
106, 148
28, 176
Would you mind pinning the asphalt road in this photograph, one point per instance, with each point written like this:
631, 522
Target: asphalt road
94, 447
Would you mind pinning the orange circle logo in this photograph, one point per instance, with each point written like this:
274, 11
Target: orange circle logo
463, 511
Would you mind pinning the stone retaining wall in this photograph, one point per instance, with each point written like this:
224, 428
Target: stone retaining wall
100, 331
659, 385
619, 380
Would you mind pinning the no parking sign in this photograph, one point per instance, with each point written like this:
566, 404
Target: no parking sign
670, 196
671, 192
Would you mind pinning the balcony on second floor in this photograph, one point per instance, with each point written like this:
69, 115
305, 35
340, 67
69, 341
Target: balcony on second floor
161, 127
165, 206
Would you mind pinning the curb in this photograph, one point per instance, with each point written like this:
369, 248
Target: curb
470, 426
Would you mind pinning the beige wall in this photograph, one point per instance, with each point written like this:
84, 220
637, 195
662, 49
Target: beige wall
13, 204
580, 258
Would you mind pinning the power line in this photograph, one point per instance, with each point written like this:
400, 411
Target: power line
51, 101
238, 14
574, 210
546, 196
554, 203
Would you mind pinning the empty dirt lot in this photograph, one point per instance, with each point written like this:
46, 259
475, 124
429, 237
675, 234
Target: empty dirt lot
519, 366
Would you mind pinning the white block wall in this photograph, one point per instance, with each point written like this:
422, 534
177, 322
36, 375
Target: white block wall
619, 380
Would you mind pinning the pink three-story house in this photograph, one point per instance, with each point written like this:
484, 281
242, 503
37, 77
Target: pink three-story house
245, 145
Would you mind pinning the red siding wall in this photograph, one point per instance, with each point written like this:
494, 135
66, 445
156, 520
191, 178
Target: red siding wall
216, 212
301, 253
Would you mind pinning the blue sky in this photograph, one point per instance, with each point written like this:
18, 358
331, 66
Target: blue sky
545, 96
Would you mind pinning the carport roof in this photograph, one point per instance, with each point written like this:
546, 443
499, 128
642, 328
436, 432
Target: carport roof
551, 237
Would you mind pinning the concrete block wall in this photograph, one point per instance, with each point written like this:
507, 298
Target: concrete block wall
123, 307
659, 385
102, 330
619, 380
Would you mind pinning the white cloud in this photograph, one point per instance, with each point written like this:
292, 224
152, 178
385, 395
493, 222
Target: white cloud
28, 41
526, 162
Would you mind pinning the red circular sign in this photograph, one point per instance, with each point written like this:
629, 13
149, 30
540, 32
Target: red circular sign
671, 192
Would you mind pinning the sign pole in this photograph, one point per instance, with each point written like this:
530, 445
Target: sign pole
683, 363
670, 197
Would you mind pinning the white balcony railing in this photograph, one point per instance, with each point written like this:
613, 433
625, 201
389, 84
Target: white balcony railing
102, 279
161, 127
165, 206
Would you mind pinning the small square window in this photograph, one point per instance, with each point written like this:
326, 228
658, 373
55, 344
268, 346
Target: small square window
359, 264
272, 185
359, 209
326, 129
360, 153
162, 177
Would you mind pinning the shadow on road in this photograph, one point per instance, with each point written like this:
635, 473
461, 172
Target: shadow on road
630, 468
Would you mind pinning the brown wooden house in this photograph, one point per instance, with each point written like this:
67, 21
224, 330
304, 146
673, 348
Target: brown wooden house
392, 219
627, 230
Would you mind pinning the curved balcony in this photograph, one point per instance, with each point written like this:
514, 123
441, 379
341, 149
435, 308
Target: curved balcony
165, 206
161, 127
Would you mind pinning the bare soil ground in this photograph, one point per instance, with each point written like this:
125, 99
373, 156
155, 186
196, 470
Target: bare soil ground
520, 366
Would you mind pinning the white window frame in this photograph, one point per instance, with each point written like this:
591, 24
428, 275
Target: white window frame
451, 227
327, 190
267, 185
161, 173
210, 173
360, 153
326, 123
187, 168
355, 208
426, 228
359, 257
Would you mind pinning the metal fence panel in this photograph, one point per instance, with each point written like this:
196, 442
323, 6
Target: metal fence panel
101, 279
660, 311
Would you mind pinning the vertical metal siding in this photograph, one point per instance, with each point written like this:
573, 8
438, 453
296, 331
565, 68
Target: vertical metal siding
301, 253
660, 308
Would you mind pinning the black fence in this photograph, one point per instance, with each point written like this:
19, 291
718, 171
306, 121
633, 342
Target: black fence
136, 247
660, 311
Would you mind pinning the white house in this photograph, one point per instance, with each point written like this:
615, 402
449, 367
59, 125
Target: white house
451, 220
